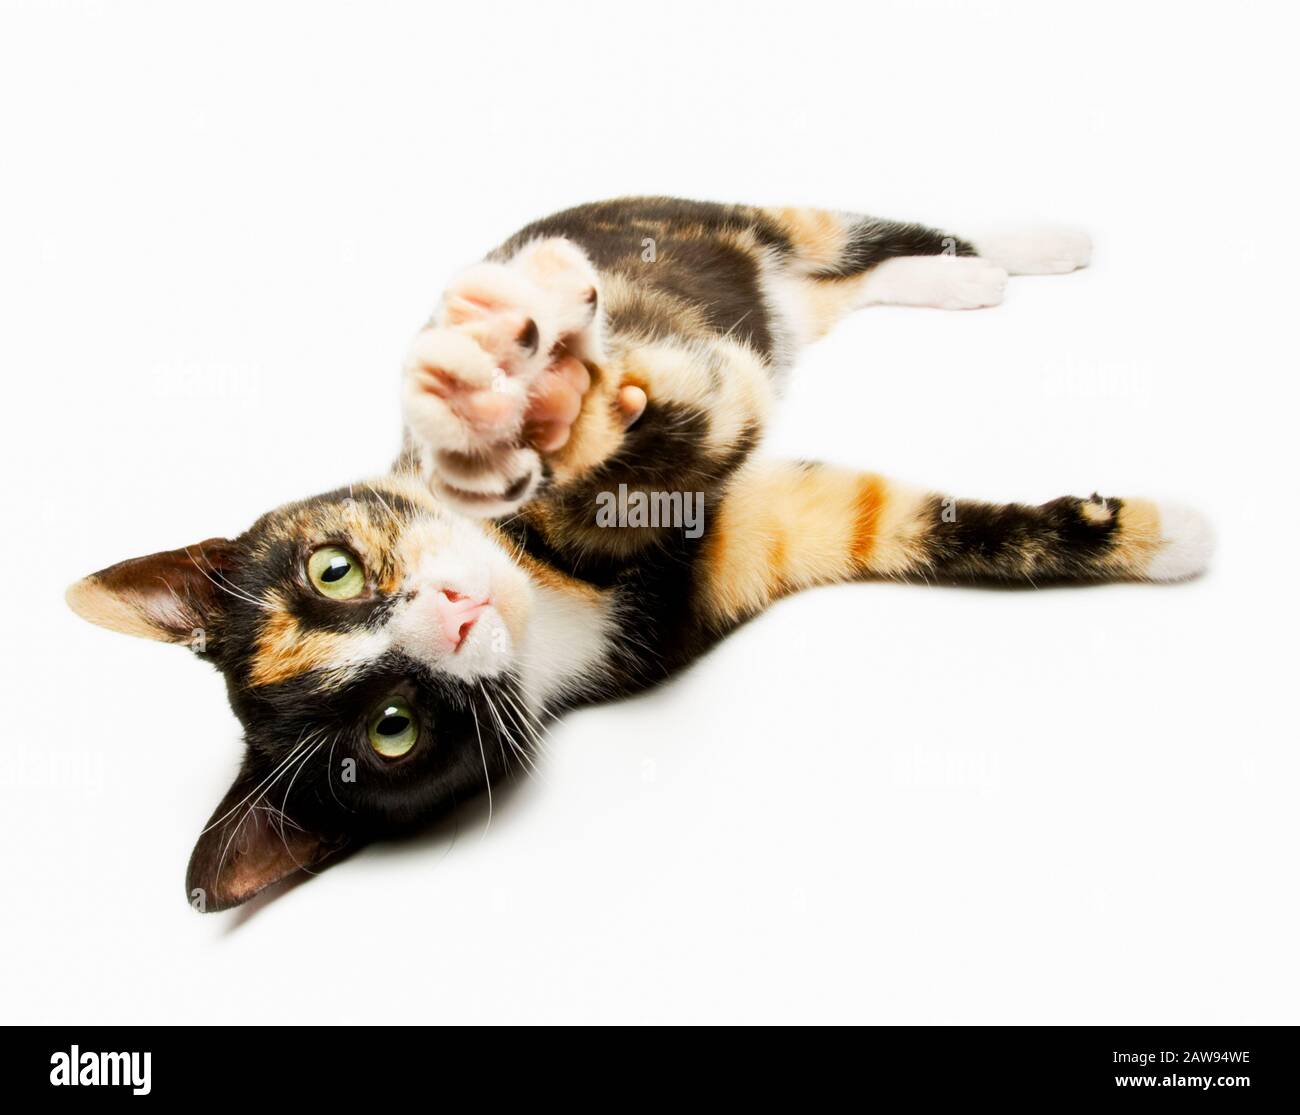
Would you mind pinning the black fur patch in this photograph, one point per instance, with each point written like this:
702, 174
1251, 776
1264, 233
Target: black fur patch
528, 337
611, 232
1053, 541
872, 241
694, 260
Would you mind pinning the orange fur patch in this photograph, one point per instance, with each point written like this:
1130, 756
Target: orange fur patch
1139, 535
818, 235
866, 518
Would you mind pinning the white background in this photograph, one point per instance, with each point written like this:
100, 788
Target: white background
222, 223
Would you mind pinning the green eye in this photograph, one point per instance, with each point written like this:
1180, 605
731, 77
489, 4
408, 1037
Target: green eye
393, 728
336, 573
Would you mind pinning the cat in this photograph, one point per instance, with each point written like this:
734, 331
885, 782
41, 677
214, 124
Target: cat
398, 646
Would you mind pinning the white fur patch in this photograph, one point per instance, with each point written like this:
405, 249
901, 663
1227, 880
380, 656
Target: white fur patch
467, 378
1187, 543
567, 636
785, 296
452, 553
1036, 252
942, 282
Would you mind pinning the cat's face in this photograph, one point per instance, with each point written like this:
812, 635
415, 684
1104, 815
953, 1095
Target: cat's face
370, 643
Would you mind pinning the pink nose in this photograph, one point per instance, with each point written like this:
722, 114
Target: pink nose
456, 614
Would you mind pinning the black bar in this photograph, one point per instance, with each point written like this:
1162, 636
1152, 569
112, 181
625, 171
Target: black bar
1243, 1065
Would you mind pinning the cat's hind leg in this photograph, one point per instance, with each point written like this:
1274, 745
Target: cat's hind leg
843, 261
949, 281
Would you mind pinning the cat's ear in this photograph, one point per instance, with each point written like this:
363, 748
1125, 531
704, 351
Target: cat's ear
172, 596
248, 844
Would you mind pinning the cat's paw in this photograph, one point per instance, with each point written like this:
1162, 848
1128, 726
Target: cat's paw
941, 281
562, 271
967, 283
461, 395
1037, 251
495, 377
1186, 544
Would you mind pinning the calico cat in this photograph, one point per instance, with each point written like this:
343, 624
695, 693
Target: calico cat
397, 646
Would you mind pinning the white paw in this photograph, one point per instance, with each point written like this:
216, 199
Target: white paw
459, 395
1186, 544
468, 379
967, 283
942, 282
1038, 251
486, 485
570, 285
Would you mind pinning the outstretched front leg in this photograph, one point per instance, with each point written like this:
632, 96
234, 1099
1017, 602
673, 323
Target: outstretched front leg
782, 527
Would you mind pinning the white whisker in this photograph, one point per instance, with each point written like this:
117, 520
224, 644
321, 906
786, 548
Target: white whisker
486, 778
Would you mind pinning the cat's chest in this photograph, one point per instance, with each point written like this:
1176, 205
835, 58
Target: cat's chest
570, 635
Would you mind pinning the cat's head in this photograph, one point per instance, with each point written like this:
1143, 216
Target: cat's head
370, 642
